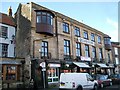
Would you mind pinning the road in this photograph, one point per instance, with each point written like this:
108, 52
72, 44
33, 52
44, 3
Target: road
114, 87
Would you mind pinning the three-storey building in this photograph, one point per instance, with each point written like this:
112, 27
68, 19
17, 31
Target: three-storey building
59, 43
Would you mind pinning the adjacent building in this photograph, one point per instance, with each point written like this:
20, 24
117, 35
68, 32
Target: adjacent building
59, 43
9, 65
116, 55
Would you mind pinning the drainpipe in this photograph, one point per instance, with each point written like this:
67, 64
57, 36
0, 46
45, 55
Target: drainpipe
56, 28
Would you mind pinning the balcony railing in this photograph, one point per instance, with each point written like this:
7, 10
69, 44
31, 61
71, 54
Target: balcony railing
45, 55
96, 60
68, 57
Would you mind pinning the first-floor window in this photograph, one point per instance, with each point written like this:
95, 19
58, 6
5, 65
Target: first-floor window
100, 54
44, 49
53, 74
93, 52
66, 47
87, 51
78, 49
4, 50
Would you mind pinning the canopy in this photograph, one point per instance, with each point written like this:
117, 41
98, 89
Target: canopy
81, 64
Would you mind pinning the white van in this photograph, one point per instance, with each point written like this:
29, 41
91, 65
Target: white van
77, 81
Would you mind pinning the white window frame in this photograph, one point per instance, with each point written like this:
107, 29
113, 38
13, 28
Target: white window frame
53, 77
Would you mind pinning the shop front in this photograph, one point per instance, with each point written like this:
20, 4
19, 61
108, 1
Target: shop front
10, 72
53, 73
100, 68
81, 67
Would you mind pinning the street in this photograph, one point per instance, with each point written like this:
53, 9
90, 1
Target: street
114, 87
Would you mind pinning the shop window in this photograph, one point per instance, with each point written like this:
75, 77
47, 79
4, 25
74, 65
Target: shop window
4, 32
11, 73
53, 74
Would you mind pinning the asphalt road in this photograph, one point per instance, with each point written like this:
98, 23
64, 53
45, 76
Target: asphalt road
114, 87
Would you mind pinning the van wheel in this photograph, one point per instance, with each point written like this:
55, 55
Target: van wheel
79, 88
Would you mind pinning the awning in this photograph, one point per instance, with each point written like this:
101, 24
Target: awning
111, 66
102, 65
10, 62
82, 65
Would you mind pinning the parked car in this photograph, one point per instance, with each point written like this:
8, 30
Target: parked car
77, 81
115, 78
103, 80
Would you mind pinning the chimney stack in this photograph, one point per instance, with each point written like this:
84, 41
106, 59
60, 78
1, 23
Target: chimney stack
10, 11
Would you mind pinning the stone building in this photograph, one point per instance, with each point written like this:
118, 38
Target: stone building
116, 55
58, 43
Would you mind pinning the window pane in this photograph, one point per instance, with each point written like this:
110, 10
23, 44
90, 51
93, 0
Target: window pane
85, 34
92, 37
66, 27
66, 47
99, 39
0, 50
4, 32
43, 13
86, 50
38, 19
77, 31
49, 20
43, 19
4, 50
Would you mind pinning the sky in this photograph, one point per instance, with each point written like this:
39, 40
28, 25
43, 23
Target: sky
102, 16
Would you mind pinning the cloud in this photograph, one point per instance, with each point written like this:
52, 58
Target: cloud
114, 29
113, 23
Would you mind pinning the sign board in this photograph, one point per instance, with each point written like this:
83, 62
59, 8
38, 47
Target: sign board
86, 41
43, 69
43, 65
85, 58
54, 65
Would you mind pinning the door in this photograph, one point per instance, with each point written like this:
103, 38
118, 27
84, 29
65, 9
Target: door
90, 81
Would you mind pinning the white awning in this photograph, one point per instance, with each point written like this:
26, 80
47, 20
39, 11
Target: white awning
54, 65
102, 65
10, 62
82, 65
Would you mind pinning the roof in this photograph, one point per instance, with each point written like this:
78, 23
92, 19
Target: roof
71, 19
6, 19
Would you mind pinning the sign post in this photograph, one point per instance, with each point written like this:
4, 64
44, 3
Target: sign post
43, 65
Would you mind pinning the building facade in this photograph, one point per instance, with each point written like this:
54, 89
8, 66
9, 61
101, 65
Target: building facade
116, 55
9, 64
59, 43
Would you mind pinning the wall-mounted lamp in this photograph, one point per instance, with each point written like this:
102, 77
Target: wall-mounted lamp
13, 39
